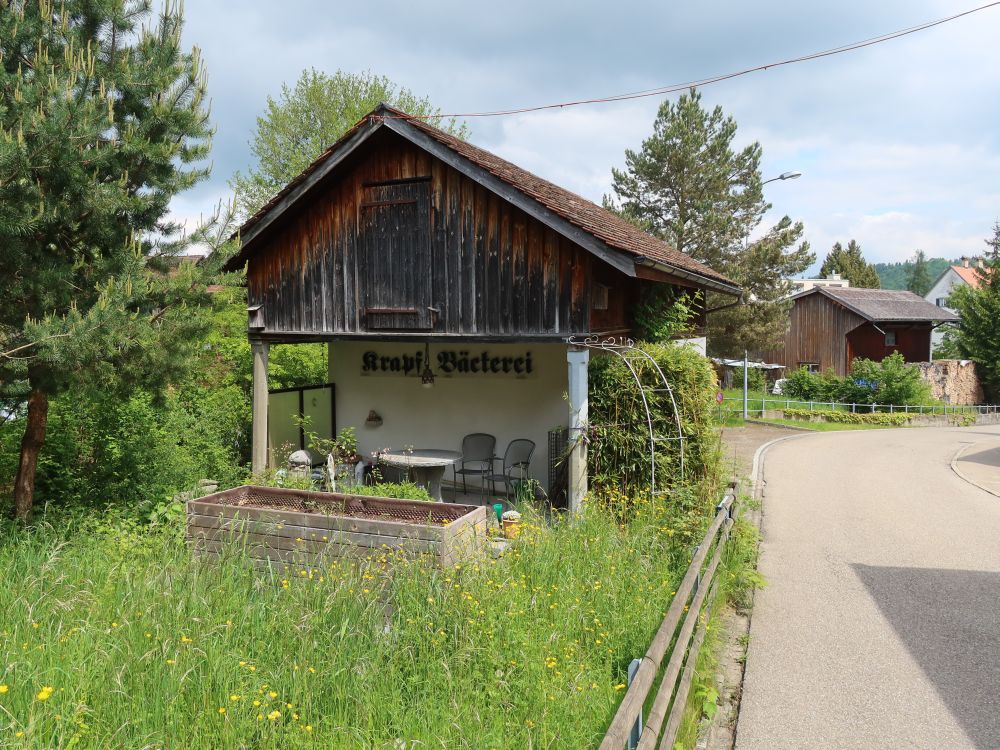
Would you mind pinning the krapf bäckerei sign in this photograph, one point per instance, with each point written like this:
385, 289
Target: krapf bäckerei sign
450, 363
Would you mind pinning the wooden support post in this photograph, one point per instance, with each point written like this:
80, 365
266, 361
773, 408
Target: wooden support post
577, 385
259, 455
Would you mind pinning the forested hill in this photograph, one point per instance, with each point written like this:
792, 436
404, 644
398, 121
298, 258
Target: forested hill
893, 275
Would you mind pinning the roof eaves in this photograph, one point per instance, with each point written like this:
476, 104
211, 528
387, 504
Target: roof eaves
294, 190
619, 259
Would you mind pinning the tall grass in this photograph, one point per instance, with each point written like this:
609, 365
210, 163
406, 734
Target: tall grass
113, 637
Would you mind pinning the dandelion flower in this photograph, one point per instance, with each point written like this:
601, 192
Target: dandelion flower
222, 710
234, 698
308, 727
45, 693
620, 686
4, 689
274, 715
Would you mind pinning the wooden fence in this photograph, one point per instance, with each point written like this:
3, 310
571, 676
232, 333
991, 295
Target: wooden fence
689, 603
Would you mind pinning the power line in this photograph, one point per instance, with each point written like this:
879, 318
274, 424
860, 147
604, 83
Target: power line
673, 88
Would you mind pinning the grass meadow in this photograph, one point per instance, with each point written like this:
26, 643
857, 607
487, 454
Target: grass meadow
111, 636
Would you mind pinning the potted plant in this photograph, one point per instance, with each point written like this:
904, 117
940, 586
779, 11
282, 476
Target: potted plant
343, 458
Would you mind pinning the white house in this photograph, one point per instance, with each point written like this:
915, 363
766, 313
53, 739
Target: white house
963, 274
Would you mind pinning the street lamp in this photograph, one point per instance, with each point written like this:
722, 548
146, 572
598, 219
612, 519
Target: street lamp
784, 176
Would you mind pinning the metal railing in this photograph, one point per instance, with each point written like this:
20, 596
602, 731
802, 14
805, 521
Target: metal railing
758, 405
692, 602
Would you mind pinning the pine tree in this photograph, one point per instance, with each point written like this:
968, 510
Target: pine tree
851, 265
102, 121
689, 187
309, 117
918, 275
978, 335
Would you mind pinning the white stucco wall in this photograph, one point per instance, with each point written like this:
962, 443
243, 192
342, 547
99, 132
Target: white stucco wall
502, 404
941, 289
943, 286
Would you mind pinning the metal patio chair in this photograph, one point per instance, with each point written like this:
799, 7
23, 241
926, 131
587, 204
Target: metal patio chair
477, 458
516, 460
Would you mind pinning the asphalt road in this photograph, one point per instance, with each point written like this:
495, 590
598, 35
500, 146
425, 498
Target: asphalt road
880, 624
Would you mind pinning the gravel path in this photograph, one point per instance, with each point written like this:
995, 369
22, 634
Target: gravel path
880, 625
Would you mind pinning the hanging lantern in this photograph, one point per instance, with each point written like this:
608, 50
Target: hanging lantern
427, 376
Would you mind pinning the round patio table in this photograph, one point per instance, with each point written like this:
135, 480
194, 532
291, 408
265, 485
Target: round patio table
427, 465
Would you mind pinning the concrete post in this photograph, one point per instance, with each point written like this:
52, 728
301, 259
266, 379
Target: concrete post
577, 361
259, 453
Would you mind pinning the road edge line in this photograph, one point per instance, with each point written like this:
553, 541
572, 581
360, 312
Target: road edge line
722, 730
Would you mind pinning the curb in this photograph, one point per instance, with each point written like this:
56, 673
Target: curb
790, 428
963, 476
721, 734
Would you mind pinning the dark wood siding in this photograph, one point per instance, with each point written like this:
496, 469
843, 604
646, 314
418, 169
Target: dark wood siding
824, 333
816, 334
402, 242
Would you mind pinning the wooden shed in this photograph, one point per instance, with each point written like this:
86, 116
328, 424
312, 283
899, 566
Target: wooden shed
403, 244
829, 327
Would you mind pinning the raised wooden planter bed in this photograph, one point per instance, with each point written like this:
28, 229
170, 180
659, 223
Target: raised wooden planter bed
296, 527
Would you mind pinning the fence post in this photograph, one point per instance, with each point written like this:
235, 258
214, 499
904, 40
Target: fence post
633, 738
746, 365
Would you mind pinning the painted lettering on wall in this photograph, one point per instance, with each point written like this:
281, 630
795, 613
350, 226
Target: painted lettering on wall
449, 362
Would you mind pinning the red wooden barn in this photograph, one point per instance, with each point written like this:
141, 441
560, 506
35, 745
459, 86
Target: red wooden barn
830, 327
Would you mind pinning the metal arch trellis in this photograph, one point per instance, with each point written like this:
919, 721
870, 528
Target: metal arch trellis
626, 350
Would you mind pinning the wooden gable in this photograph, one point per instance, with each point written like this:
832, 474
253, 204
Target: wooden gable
399, 244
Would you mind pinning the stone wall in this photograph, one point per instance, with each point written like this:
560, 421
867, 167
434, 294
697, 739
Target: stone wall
953, 381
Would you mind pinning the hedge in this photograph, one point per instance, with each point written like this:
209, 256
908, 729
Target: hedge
846, 417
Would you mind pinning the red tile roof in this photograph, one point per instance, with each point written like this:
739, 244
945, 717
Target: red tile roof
597, 221
968, 275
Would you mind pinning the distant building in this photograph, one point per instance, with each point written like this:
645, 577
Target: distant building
804, 285
963, 274
829, 327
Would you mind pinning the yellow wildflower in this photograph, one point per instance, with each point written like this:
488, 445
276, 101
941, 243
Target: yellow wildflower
274, 715
45, 693
4, 689
222, 710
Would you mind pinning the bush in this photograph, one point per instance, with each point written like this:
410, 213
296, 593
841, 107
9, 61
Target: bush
619, 455
891, 381
846, 417
756, 380
139, 451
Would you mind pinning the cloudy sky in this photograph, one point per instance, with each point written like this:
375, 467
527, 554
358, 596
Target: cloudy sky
899, 144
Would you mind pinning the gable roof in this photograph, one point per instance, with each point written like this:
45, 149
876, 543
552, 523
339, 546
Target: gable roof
598, 230
883, 305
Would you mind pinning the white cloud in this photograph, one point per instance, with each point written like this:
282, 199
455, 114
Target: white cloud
897, 143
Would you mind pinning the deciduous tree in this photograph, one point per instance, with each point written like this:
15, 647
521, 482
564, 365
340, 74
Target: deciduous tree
310, 116
102, 121
978, 335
